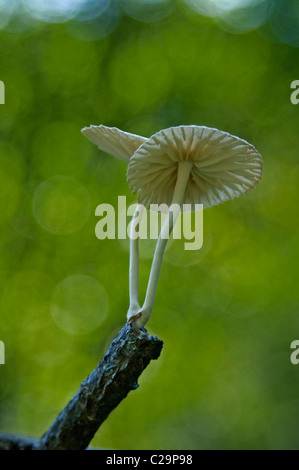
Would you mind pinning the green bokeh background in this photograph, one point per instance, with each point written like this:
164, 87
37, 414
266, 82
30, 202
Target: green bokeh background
228, 313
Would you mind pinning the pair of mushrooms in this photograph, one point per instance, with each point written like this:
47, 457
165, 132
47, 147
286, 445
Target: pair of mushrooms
176, 166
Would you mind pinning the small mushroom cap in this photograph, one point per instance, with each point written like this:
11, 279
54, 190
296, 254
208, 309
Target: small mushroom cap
224, 166
114, 141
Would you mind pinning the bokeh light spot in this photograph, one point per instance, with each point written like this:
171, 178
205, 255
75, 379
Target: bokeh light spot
95, 21
147, 10
53, 12
79, 304
6, 10
233, 15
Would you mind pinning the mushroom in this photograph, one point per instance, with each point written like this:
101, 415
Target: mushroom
188, 165
122, 145
114, 141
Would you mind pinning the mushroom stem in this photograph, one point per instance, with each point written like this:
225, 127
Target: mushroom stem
184, 168
134, 266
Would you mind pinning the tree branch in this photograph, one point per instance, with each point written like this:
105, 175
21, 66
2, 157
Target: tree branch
128, 355
11, 442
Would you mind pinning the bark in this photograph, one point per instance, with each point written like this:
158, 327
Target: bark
128, 355
11, 442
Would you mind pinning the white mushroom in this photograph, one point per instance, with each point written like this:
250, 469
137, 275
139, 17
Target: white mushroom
122, 145
118, 143
188, 165
134, 306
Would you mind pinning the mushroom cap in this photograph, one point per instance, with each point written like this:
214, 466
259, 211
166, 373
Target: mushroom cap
224, 166
119, 143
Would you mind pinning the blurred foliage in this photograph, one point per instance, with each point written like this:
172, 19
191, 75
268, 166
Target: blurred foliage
226, 313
